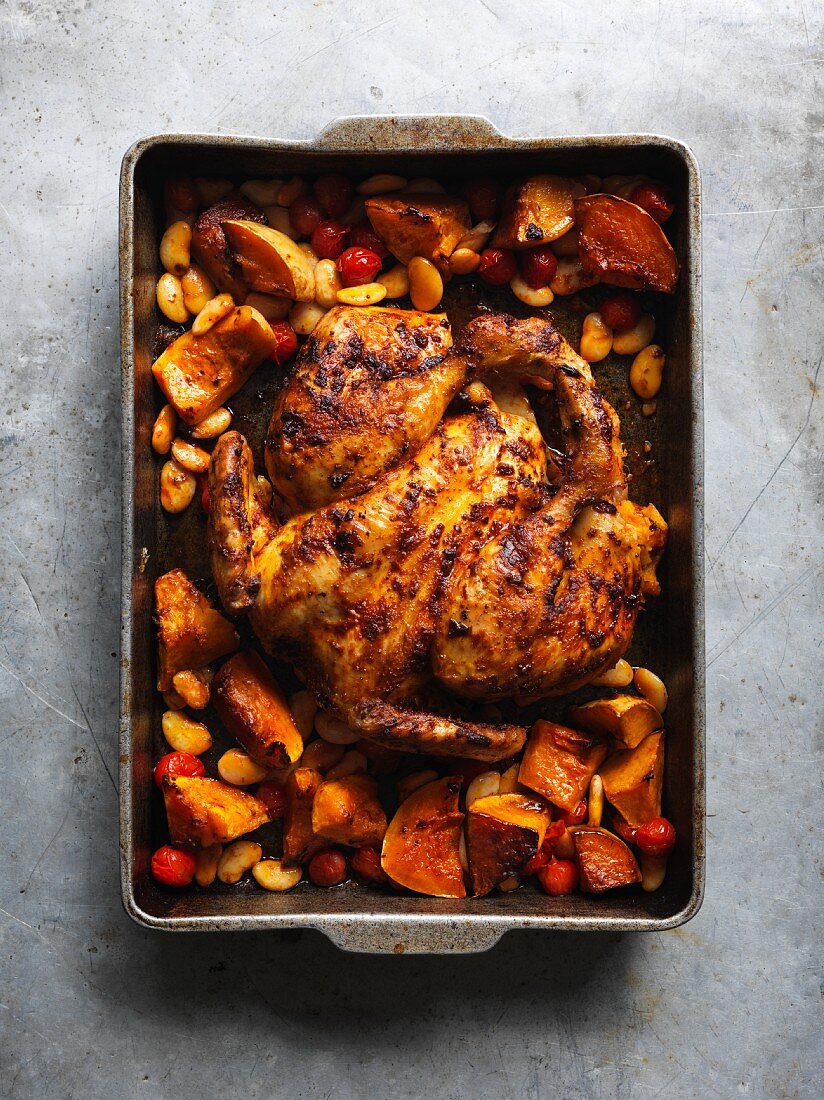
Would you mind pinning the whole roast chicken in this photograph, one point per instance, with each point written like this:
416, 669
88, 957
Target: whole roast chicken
417, 546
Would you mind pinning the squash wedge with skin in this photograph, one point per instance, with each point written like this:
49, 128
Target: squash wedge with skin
633, 779
211, 249
271, 262
624, 245
537, 211
202, 812
559, 762
199, 373
604, 861
419, 225
347, 811
299, 840
503, 831
190, 632
422, 844
627, 718
252, 707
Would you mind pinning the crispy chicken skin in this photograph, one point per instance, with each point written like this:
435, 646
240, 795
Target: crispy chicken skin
460, 567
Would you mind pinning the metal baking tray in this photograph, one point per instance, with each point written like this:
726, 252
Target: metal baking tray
670, 634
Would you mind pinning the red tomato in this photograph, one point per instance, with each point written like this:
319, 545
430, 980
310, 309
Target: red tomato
203, 488
576, 816
334, 193
497, 266
365, 236
546, 852
358, 266
329, 240
305, 215
656, 837
560, 876
623, 828
174, 764
366, 863
181, 193
286, 342
273, 795
482, 195
328, 867
656, 199
620, 311
173, 866
538, 267
539, 860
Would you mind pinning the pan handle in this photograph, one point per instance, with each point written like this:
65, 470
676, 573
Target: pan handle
416, 133
399, 937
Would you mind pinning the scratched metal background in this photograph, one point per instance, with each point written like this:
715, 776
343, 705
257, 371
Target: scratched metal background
92, 1006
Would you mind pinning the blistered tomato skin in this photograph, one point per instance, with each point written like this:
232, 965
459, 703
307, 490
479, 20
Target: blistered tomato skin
620, 311
174, 764
358, 266
366, 863
576, 816
559, 877
538, 267
181, 193
173, 866
497, 266
656, 199
305, 215
287, 342
327, 868
329, 240
655, 837
482, 194
364, 236
334, 193
273, 796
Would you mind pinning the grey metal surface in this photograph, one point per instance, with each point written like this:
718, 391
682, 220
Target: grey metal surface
92, 1006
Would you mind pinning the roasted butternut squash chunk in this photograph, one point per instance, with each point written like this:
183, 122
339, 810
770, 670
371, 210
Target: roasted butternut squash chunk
190, 632
559, 763
211, 249
624, 245
198, 373
419, 225
299, 840
347, 811
254, 710
422, 844
503, 831
604, 861
633, 779
271, 262
625, 717
203, 812
537, 211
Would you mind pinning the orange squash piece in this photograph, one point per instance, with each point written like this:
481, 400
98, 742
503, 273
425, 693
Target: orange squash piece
299, 840
202, 812
252, 707
559, 762
537, 211
190, 632
422, 844
419, 225
633, 779
210, 247
199, 373
503, 831
627, 718
271, 262
624, 245
604, 861
347, 811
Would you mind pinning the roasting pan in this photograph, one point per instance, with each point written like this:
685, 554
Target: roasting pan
670, 636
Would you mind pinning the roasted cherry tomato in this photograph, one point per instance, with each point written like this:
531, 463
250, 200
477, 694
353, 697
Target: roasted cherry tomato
497, 266
655, 837
546, 852
305, 215
358, 266
538, 267
364, 236
366, 863
539, 860
328, 867
286, 342
334, 193
174, 764
181, 193
620, 311
560, 876
273, 795
482, 195
173, 866
576, 816
329, 240
656, 199
203, 490
623, 828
